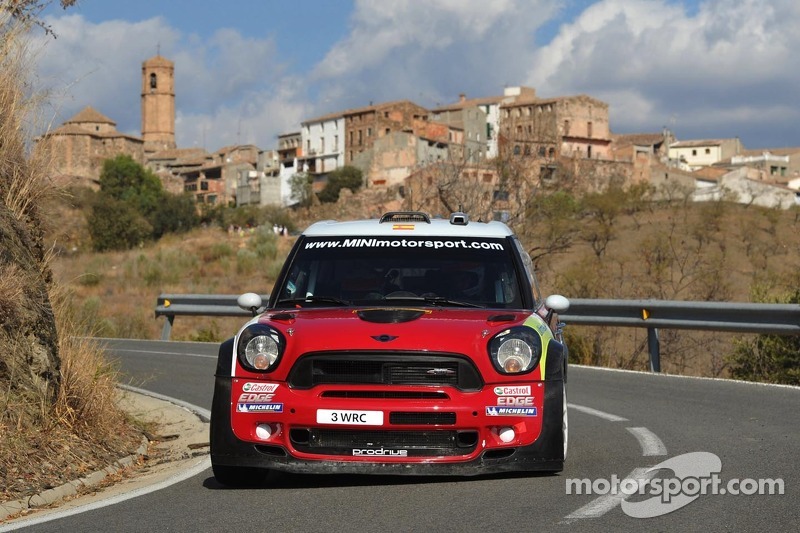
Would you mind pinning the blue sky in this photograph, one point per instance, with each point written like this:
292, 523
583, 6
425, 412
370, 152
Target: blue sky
248, 70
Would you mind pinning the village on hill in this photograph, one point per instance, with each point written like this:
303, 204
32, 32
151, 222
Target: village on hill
483, 151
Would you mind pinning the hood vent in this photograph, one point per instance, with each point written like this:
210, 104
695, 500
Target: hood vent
390, 316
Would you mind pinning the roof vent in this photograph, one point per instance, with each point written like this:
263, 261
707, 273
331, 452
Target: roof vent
459, 219
405, 216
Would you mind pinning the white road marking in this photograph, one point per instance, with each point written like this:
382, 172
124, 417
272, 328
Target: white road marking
595, 412
651, 446
201, 465
124, 350
603, 504
649, 441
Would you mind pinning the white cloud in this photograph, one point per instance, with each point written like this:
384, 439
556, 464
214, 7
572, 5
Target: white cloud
724, 68
697, 71
228, 87
430, 52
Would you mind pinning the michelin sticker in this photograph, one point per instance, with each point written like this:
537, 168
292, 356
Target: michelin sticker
494, 410
259, 407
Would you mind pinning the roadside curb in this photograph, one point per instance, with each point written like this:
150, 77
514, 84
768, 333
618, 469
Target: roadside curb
187, 437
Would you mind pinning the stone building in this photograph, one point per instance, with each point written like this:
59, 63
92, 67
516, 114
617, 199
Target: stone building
79, 147
568, 126
158, 104
365, 125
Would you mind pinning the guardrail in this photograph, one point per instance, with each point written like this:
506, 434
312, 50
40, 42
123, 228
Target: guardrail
172, 305
781, 319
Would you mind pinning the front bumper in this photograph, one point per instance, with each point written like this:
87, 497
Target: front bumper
476, 446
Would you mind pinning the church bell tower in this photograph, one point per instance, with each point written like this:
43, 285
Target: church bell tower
158, 104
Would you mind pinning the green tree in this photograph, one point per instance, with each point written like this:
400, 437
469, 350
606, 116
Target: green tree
176, 213
116, 225
124, 179
144, 210
346, 177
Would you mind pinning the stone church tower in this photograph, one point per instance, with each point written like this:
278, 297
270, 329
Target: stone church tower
158, 104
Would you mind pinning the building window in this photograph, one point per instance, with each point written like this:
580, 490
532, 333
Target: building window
589, 152
566, 127
153, 81
335, 143
388, 131
516, 150
694, 152
369, 132
322, 145
589, 129
708, 151
500, 195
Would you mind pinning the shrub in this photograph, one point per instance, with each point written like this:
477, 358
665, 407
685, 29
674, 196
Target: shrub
116, 225
247, 262
346, 177
768, 357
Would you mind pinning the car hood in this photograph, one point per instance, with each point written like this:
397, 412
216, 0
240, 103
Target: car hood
391, 329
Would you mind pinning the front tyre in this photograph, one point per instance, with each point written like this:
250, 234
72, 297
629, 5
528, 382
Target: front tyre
564, 424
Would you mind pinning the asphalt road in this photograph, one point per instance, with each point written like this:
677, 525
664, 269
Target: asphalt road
621, 423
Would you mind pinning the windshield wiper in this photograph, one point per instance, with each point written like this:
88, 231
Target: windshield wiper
435, 300
315, 299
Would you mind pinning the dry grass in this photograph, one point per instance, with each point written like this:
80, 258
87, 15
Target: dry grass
116, 291
43, 445
51, 430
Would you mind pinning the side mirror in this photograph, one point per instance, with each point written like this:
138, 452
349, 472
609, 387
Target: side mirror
249, 301
557, 303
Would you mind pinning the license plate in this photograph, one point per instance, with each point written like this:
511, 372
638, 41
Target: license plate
338, 416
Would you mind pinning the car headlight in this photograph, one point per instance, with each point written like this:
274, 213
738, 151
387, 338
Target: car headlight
516, 350
260, 348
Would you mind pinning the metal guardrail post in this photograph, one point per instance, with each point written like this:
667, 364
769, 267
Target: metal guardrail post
654, 346
167, 330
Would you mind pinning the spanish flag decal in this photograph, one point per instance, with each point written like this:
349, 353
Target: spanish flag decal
402, 226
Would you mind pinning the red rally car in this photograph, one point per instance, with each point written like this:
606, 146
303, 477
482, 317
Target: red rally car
405, 345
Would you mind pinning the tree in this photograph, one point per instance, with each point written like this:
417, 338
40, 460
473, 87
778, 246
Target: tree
28, 11
144, 210
346, 177
116, 225
177, 213
301, 191
124, 179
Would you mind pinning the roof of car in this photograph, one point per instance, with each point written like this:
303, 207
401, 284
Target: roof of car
408, 225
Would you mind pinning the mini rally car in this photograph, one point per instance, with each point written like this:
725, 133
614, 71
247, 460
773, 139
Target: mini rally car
403, 345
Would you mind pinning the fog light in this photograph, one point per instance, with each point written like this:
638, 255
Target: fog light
261, 362
263, 431
506, 434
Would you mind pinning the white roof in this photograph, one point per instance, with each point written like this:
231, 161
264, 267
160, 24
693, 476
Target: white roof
436, 228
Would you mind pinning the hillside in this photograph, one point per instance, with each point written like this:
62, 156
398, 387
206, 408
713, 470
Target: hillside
679, 250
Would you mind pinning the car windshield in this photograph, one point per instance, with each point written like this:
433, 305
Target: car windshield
428, 271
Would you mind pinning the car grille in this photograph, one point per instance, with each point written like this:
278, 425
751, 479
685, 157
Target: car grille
438, 418
409, 443
381, 368
386, 395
